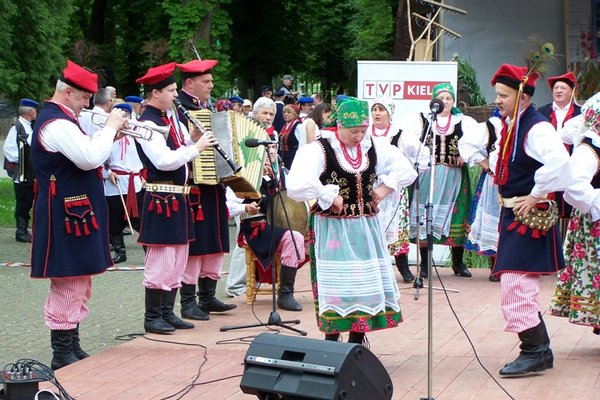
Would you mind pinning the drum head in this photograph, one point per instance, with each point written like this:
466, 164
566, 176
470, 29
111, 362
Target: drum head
297, 212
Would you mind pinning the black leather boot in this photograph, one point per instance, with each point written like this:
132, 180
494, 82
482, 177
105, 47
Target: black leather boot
531, 358
332, 337
285, 294
119, 247
79, 353
22, 235
356, 337
493, 277
403, 268
168, 302
457, 262
189, 307
206, 297
62, 348
546, 344
424, 256
153, 320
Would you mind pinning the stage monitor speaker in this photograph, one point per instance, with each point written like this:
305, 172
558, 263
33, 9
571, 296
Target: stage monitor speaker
294, 368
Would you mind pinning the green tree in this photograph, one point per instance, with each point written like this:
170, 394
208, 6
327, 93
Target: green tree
33, 45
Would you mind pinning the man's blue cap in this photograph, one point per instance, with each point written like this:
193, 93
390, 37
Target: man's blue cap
124, 107
236, 99
29, 103
305, 100
134, 99
265, 88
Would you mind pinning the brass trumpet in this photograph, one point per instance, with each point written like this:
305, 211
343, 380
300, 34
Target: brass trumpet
135, 128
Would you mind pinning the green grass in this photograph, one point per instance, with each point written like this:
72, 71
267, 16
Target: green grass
7, 203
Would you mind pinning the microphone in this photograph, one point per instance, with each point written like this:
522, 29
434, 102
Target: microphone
254, 142
436, 106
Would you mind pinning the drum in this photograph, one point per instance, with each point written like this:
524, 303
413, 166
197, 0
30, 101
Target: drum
297, 212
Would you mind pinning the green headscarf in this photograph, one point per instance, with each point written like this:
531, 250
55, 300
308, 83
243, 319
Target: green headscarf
445, 87
350, 112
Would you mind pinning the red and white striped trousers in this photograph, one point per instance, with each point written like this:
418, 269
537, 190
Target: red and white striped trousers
66, 303
164, 266
519, 300
205, 266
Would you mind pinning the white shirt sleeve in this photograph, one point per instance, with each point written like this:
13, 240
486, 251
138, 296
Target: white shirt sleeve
11, 149
581, 194
545, 146
63, 136
162, 156
472, 146
414, 150
572, 131
393, 168
234, 204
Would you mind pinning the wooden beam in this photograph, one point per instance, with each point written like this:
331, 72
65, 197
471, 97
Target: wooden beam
446, 30
445, 6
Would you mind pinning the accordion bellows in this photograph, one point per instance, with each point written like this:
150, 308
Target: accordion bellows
231, 130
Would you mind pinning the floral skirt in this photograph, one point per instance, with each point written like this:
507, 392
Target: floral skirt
393, 218
353, 282
577, 293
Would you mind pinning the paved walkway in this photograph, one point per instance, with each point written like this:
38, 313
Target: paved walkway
116, 307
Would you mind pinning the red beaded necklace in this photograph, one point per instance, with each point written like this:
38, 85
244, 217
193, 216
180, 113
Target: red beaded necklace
444, 129
354, 162
384, 134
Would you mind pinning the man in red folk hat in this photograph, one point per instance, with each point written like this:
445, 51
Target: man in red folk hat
70, 234
166, 218
561, 110
532, 163
206, 254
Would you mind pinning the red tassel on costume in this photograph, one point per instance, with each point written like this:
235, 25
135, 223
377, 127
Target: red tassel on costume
535, 233
512, 226
175, 204
158, 208
522, 229
77, 230
86, 229
151, 206
52, 187
67, 226
543, 233
168, 209
200, 214
94, 222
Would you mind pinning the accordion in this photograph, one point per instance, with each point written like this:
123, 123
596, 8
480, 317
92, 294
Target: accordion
231, 130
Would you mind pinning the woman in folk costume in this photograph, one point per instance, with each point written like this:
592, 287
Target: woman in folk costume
451, 194
291, 135
577, 293
393, 215
475, 148
353, 282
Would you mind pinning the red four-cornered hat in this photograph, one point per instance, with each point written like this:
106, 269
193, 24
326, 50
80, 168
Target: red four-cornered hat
197, 67
568, 78
158, 75
512, 76
79, 77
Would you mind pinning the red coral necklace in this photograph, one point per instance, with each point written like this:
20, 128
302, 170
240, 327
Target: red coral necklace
444, 129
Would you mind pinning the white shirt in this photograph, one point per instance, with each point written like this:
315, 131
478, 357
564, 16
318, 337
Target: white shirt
584, 165
11, 148
393, 169
545, 146
162, 157
123, 157
473, 144
409, 143
560, 114
65, 137
85, 120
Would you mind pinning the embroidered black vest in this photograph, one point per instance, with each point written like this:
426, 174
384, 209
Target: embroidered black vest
446, 148
355, 187
596, 179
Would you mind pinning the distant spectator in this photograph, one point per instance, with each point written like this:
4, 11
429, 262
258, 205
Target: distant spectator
316, 98
266, 91
247, 108
236, 103
278, 123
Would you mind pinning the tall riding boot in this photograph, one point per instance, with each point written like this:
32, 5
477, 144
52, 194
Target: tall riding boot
21, 234
153, 320
119, 247
62, 348
189, 307
168, 302
546, 344
457, 262
493, 277
403, 268
79, 353
424, 255
206, 297
531, 358
356, 337
285, 294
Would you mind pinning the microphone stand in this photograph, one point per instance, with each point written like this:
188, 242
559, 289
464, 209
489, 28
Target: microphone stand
274, 317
